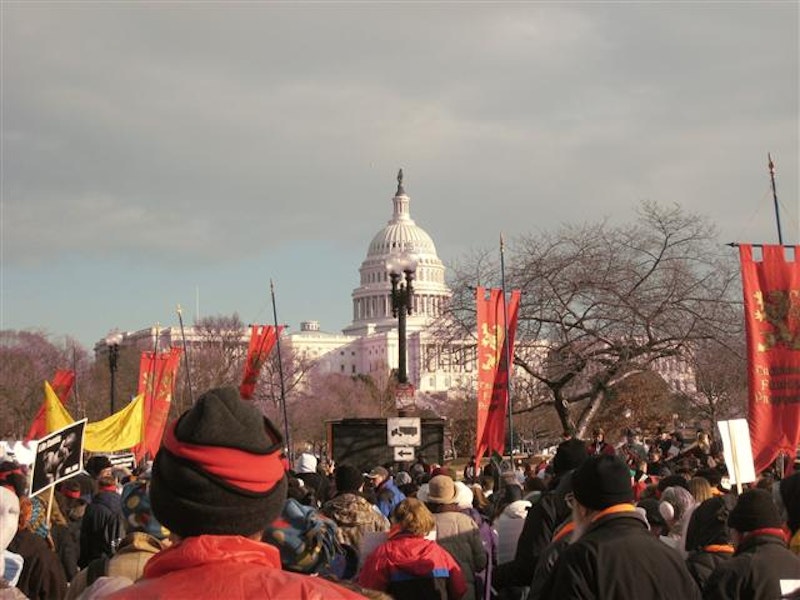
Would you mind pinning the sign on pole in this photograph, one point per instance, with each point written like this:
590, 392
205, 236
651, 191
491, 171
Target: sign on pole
403, 453
404, 431
59, 456
735, 435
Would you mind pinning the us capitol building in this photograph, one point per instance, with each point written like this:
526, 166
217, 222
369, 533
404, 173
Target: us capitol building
369, 345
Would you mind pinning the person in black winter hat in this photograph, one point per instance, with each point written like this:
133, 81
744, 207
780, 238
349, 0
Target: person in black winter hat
542, 519
708, 538
613, 554
218, 481
761, 558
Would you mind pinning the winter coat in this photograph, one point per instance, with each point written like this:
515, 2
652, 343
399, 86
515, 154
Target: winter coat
508, 526
67, 540
389, 496
701, 563
761, 560
540, 524
355, 516
458, 534
42, 575
226, 566
489, 542
618, 558
405, 557
133, 553
102, 526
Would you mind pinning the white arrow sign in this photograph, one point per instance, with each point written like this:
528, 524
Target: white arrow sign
403, 453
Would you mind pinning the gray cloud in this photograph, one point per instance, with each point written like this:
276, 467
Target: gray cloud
152, 127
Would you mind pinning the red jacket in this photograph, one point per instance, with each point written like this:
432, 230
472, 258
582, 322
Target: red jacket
407, 556
231, 567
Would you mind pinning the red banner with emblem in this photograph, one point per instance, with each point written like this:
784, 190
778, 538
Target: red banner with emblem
157, 376
493, 367
772, 318
262, 340
62, 384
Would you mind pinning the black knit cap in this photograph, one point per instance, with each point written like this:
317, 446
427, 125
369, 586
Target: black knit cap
348, 478
218, 470
602, 481
569, 455
755, 509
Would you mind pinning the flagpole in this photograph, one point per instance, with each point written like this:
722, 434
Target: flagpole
75, 384
509, 358
286, 433
771, 166
186, 354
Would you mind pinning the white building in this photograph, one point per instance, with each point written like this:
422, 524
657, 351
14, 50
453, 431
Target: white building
370, 343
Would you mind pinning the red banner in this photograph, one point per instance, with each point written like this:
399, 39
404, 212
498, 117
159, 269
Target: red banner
493, 367
157, 376
262, 339
772, 316
62, 384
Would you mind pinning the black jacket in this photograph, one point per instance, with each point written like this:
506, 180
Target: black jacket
42, 575
618, 558
755, 570
701, 564
102, 526
540, 524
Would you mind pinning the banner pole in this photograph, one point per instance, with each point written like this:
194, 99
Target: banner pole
287, 434
50, 499
186, 354
507, 350
771, 166
735, 460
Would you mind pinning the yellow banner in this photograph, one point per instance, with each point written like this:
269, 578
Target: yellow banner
120, 431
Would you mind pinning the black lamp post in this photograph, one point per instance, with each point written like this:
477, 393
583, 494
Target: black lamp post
402, 305
113, 340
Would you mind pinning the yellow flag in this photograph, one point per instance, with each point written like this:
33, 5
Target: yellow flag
120, 431
56, 416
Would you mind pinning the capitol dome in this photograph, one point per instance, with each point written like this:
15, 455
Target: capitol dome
400, 238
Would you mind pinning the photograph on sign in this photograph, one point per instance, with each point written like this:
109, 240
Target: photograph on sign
735, 436
404, 431
59, 456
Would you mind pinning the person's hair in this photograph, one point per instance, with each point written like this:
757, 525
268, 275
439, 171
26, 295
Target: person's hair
414, 517
700, 489
487, 483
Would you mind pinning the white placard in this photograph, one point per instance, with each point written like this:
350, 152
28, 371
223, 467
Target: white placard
735, 435
404, 431
404, 453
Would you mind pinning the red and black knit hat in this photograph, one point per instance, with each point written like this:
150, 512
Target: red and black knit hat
219, 470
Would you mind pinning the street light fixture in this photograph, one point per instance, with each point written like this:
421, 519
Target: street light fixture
402, 305
113, 340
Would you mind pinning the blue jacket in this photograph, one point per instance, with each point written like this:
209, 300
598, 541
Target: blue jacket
389, 496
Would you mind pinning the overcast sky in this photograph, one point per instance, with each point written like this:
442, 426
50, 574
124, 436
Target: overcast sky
151, 148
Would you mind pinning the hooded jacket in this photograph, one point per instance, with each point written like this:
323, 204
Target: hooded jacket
355, 516
405, 557
760, 562
226, 566
102, 526
508, 526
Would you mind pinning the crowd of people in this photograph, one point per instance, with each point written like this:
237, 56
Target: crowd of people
220, 514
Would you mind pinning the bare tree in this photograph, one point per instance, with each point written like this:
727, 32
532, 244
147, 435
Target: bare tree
603, 302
